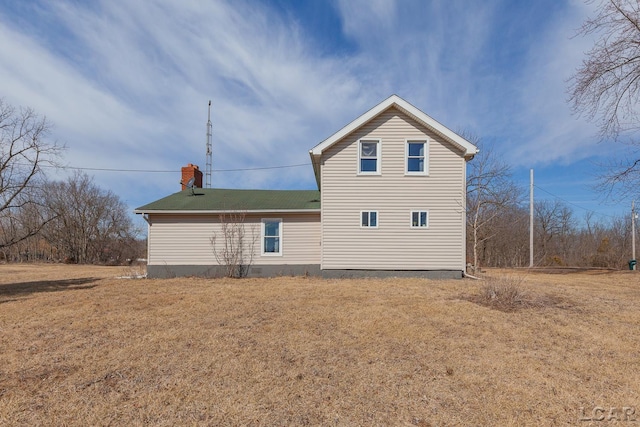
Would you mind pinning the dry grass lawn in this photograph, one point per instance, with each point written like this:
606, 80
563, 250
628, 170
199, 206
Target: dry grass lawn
81, 347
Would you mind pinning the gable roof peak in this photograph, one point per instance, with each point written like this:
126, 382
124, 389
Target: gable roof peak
469, 150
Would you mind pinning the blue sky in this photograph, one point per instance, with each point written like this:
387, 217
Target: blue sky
127, 83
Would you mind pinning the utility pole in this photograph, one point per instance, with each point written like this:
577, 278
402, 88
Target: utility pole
531, 219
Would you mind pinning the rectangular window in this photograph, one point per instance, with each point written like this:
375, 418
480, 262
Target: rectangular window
271, 237
369, 157
419, 219
417, 157
369, 219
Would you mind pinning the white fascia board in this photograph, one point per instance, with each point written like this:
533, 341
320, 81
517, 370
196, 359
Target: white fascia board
199, 212
318, 149
468, 148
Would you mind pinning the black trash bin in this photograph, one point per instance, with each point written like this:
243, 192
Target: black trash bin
632, 264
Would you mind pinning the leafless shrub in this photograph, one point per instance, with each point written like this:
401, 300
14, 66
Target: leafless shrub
503, 293
232, 247
134, 271
507, 293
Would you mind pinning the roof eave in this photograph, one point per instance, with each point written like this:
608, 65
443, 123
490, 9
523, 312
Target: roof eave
205, 211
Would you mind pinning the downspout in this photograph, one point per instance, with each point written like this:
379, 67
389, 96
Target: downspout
464, 217
464, 274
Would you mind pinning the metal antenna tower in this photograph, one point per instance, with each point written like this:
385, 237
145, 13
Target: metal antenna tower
209, 151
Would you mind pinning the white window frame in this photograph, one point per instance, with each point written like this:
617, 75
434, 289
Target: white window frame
426, 156
419, 211
369, 219
378, 170
262, 236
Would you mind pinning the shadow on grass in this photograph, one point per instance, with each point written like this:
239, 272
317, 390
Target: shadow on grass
28, 288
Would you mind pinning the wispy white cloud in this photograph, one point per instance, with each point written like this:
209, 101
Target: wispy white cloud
127, 83
550, 132
431, 53
137, 95
490, 68
33, 77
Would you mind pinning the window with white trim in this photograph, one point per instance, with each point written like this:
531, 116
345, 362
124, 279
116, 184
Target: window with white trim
271, 236
417, 158
369, 156
369, 219
419, 219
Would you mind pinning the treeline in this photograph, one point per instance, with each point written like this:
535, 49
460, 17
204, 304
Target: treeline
80, 223
560, 238
498, 217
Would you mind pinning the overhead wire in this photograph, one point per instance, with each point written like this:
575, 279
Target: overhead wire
171, 171
571, 203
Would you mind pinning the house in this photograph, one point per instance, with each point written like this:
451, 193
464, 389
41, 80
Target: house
390, 202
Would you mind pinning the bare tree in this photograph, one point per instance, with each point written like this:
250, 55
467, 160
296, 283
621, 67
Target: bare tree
232, 247
607, 85
490, 191
92, 225
509, 246
24, 150
555, 232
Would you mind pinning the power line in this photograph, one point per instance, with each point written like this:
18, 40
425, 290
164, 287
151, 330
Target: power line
263, 168
171, 171
572, 204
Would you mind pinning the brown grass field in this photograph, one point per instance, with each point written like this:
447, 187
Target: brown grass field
78, 346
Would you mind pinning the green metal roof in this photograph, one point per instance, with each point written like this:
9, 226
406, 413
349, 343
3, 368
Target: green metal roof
217, 199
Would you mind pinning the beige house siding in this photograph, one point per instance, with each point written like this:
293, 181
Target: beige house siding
184, 239
394, 245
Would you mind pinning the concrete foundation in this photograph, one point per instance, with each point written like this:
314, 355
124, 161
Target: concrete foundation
169, 271
427, 274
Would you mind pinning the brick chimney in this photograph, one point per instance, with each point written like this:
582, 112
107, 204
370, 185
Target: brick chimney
189, 172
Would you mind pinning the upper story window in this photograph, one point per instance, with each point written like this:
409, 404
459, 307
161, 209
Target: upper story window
369, 219
417, 158
271, 237
369, 156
